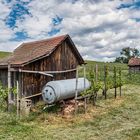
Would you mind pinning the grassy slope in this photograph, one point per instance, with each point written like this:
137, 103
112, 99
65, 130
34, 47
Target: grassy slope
126, 77
4, 54
101, 64
113, 119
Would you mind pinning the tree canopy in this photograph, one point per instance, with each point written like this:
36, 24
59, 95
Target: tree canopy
126, 54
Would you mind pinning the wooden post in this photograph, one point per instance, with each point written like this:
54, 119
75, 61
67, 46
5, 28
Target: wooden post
9, 89
19, 83
96, 80
120, 91
120, 74
105, 78
22, 83
96, 73
76, 91
115, 78
17, 98
85, 99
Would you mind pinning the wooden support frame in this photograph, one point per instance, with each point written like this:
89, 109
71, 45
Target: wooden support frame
105, 81
32, 96
85, 99
18, 99
76, 91
96, 80
36, 72
96, 73
43, 72
9, 88
115, 81
46, 73
120, 75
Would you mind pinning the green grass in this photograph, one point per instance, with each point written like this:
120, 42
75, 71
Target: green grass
112, 119
110, 64
90, 65
4, 54
126, 77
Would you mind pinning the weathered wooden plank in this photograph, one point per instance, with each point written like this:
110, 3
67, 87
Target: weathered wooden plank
63, 58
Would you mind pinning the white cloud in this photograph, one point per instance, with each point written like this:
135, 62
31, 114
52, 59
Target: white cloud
97, 27
4, 10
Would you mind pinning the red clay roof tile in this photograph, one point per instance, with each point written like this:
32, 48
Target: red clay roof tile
134, 62
30, 51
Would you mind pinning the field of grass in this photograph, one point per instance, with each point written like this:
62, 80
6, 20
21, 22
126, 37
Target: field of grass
112, 119
4, 54
110, 64
126, 77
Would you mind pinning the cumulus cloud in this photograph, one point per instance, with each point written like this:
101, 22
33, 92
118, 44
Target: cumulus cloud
99, 28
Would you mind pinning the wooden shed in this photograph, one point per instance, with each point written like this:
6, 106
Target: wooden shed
134, 65
31, 62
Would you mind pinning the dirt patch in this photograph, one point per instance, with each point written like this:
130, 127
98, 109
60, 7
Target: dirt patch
69, 108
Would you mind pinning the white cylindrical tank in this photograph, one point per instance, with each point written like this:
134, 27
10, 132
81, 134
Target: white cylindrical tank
58, 90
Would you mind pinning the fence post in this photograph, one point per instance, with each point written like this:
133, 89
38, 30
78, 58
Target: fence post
120, 80
105, 78
9, 89
18, 99
85, 99
96, 73
76, 90
115, 78
96, 79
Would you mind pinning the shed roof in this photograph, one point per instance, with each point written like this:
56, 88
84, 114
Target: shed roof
32, 51
134, 62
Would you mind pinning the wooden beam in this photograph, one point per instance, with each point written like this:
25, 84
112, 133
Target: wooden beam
18, 98
48, 72
36, 72
85, 99
32, 96
9, 88
12, 69
76, 91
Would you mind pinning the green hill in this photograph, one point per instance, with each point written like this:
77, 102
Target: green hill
110, 64
89, 62
4, 54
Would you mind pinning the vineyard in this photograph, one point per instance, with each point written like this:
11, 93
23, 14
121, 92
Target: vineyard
104, 77
113, 113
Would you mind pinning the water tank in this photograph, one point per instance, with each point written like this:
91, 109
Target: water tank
58, 90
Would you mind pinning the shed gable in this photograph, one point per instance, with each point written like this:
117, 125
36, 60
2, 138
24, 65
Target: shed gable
33, 51
63, 58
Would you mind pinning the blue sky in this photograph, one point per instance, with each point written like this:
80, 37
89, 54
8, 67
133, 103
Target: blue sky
99, 28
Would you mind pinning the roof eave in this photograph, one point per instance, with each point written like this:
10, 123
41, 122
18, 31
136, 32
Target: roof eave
43, 56
3, 66
133, 65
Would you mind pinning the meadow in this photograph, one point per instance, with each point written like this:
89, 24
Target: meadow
110, 119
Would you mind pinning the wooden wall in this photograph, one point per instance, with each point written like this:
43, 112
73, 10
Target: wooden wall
134, 69
4, 77
62, 58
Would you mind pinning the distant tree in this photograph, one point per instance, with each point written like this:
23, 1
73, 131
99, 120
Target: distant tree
126, 54
121, 60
